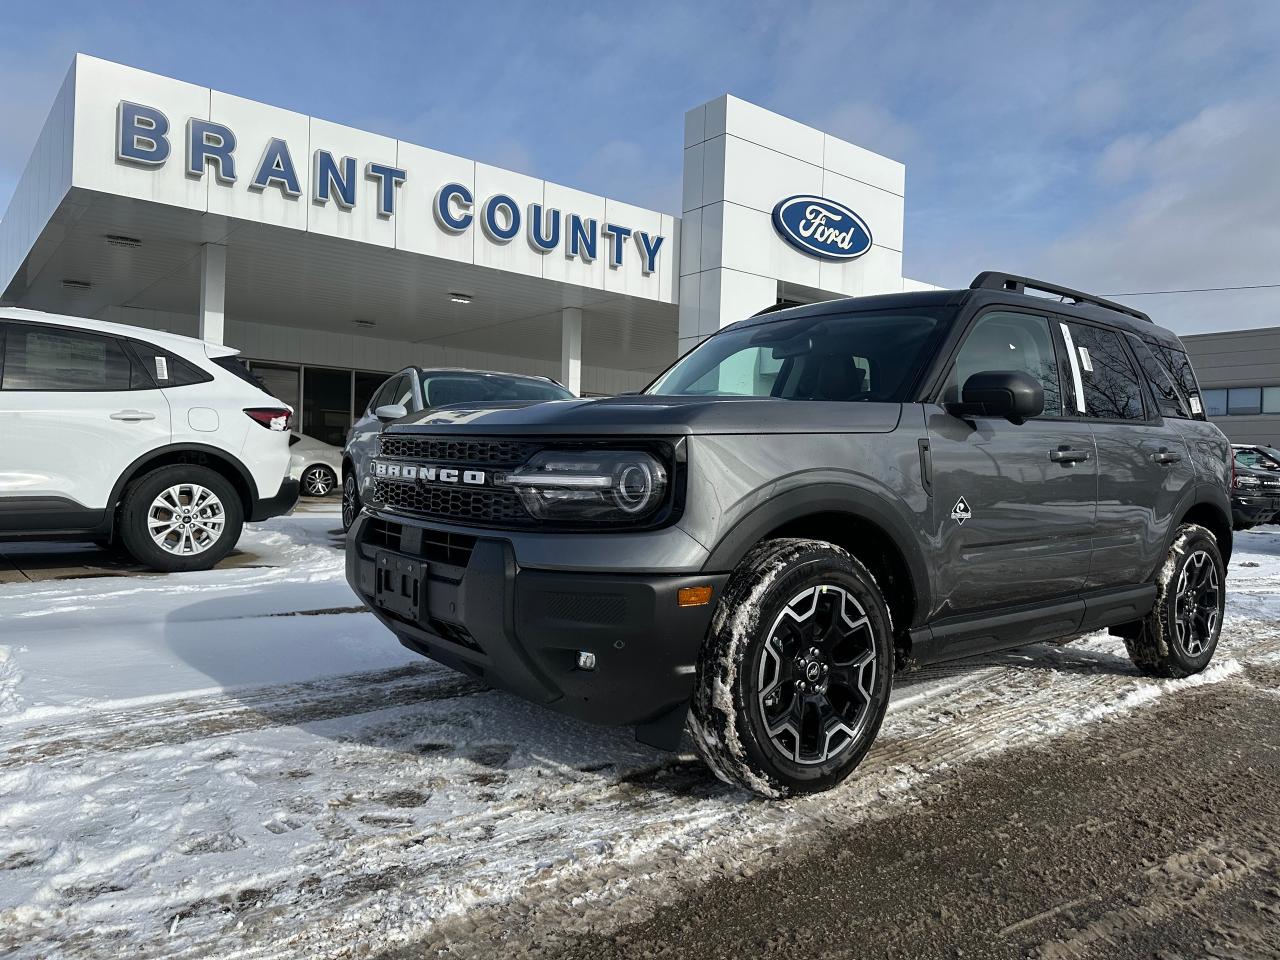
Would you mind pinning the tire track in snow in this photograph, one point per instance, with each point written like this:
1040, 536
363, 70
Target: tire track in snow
661, 822
183, 719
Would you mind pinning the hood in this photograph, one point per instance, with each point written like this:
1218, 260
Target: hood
1270, 477
656, 415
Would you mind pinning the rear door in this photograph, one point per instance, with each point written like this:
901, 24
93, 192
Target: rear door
1014, 502
77, 410
1144, 466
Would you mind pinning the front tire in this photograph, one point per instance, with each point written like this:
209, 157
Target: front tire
794, 676
1180, 634
350, 500
180, 518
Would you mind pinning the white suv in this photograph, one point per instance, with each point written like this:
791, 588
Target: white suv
163, 444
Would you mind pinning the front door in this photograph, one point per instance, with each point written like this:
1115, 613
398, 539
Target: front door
363, 439
1013, 503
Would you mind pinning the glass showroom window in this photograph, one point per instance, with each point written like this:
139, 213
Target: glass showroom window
1215, 403
1244, 401
1271, 399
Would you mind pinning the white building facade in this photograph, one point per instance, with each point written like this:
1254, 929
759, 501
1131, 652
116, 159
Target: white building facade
331, 256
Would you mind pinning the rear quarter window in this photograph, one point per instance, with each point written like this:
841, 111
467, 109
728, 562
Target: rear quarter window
235, 366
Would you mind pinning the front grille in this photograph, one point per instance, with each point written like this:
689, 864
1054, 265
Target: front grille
458, 504
471, 452
450, 548
434, 546
451, 502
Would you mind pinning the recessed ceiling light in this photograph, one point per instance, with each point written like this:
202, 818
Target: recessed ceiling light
76, 285
460, 297
118, 240
365, 323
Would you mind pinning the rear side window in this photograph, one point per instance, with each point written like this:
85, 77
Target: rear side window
164, 369
1112, 390
1169, 396
58, 359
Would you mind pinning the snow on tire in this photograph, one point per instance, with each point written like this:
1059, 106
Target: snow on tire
1180, 634
794, 676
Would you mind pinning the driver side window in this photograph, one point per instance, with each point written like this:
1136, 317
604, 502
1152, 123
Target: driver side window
1008, 341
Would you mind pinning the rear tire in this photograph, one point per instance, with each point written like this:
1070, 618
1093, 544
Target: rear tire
180, 518
1180, 634
794, 676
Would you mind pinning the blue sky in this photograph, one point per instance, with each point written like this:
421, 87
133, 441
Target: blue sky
1114, 146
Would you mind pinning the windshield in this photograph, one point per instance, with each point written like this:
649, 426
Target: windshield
872, 356
1264, 458
442, 389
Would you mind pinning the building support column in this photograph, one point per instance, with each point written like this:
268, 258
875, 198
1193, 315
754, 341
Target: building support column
213, 292
571, 348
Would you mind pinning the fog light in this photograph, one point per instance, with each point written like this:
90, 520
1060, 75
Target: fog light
693, 596
586, 660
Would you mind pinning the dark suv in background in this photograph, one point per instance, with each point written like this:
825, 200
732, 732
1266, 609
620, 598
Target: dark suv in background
416, 389
806, 501
1255, 485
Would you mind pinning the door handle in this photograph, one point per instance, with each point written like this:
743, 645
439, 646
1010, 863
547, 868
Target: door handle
132, 416
1067, 455
1166, 457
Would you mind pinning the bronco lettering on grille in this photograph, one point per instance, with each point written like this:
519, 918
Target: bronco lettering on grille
411, 471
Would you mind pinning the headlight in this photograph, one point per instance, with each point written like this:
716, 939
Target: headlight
1244, 480
602, 485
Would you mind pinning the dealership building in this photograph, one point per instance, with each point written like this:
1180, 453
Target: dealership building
1239, 374
332, 256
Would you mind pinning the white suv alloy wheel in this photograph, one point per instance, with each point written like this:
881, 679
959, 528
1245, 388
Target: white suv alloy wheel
186, 519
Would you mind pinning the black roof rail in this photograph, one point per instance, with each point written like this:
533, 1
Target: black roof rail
775, 307
994, 280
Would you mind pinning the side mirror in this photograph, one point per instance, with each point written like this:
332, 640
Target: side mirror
1011, 394
390, 411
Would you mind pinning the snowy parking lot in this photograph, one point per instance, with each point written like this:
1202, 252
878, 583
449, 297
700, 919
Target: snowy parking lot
241, 763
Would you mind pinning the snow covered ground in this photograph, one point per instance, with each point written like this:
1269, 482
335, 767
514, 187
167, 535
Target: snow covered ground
239, 763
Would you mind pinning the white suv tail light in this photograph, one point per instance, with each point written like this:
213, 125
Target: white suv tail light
273, 418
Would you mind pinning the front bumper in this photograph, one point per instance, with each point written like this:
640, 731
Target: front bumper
521, 630
1249, 510
264, 508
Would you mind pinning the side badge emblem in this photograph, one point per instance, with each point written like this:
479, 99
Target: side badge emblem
961, 512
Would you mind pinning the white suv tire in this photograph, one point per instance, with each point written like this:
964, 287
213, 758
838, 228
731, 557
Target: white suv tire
180, 518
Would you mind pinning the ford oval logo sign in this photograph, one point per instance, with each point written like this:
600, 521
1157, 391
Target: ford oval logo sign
822, 228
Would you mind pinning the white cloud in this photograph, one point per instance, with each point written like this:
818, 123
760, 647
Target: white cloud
1205, 212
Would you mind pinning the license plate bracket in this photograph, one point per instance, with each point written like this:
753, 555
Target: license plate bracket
400, 585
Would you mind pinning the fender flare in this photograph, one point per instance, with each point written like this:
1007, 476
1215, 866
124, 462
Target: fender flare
139, 465
800, 502
1213, 495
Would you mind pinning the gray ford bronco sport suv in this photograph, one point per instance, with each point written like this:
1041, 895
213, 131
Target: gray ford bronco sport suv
807, 501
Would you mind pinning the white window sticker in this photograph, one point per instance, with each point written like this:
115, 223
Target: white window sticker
1195, 405
162, 368
1084, 359
1075, 367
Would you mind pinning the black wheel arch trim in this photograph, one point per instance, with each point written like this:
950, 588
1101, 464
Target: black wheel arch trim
1206, 494
139, 466
826, 498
